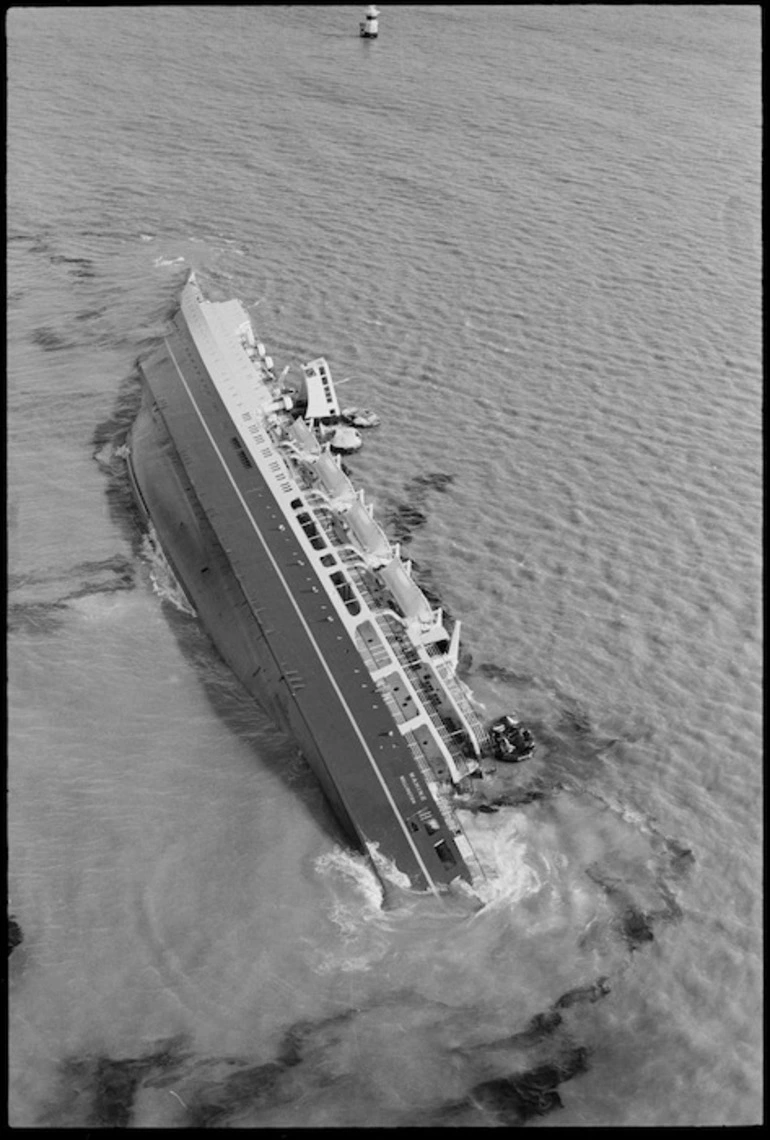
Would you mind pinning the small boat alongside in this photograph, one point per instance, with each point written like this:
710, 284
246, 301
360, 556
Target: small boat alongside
511, 741
360, 417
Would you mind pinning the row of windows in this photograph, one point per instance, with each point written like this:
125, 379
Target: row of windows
318, 542
241, 453
326, 382
345, 591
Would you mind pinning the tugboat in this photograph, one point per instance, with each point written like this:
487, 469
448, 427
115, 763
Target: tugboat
368, 27
511, 742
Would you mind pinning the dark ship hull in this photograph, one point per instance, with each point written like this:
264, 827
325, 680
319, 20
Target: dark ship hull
224, 525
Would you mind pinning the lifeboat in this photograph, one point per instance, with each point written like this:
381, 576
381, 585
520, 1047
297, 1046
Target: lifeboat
511, 742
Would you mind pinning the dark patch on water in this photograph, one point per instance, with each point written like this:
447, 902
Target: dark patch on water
113, 431
403, 518
15, 935
101, 1091
515, 1100
529, 1091
639, 887
39, 245
575, 719
82, 268
501, 673
539, 1029
571, 733
598, 989
543, 1055
105, 577
250, 1089
489, 797
682, 859
78, 267
90, 314
636, 927
49, 340
634, 921
115, 1085
542, 1025
11, 237
36, 617
418, 487
32, 609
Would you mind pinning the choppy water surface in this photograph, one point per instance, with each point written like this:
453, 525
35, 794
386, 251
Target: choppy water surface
530, 237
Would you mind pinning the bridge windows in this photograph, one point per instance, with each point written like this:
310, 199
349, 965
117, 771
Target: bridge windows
317, 541
346, 592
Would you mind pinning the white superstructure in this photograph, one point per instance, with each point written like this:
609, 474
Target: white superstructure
402, 640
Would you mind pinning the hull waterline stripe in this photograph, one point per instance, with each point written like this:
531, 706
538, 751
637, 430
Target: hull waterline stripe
307, 629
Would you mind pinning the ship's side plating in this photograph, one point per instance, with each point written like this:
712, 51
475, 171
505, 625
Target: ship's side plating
233, 522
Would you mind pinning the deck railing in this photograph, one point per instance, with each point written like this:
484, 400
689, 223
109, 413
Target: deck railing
401, 646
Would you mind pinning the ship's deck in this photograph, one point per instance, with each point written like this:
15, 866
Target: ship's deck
339, 708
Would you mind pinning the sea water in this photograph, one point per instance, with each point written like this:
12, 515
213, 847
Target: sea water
529, 237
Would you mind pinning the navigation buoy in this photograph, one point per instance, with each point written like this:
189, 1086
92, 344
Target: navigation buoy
368, 27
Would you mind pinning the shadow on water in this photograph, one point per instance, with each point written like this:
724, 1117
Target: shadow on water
402, 517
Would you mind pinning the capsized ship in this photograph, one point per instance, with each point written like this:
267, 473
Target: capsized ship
302, 593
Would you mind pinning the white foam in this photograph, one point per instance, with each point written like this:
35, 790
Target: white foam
387, 869
503, 853
355, 908
352, 868
162, 577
